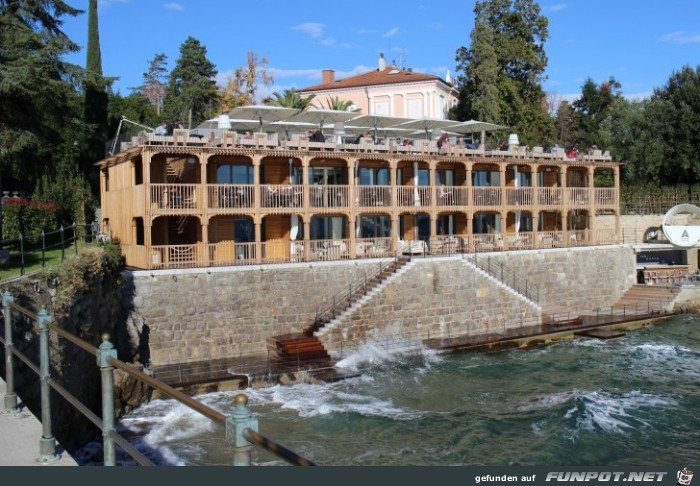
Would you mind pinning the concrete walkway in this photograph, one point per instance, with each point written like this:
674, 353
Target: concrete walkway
19, 438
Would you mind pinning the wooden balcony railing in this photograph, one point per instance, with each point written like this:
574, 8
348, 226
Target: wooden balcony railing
373, 196
605, 196
450, 196
549, 196
578, 196
519, 196
231, 196
329, 196
281, 196
174, 197
230, 253
179, 199
413, 196
486, 196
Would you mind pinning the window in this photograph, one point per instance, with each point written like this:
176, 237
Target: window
415, 108
446, 224
139, 231
234, 174
374, 176
381, 108
377, 226
326, 175
445, 177
138, 171
244, 231
327, 228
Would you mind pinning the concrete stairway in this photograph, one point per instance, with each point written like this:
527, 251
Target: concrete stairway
644, 299
349, 301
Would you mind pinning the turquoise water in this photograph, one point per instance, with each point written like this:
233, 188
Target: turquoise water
628, 401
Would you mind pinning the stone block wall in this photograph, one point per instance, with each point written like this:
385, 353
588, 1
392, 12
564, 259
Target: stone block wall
579, 279
193, 315
198, 315
436, 298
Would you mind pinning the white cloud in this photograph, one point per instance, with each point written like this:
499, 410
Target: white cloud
557, 7
680, 37
313, 29
392, 32
638, 96
109, 3
174, 6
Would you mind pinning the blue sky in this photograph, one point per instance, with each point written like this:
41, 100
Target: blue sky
639, 42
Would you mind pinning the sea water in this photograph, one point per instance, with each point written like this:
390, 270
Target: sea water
633, 400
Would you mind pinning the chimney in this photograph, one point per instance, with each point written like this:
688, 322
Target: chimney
410, 70
382, 62
328, 76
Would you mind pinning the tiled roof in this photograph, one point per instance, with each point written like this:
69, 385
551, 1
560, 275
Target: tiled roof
391, 75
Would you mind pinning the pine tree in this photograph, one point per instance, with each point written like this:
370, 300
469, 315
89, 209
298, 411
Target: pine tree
503, 68
38, 103
153, 87
192, 94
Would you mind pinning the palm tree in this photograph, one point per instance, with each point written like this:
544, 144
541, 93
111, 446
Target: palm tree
290, 98
336, 103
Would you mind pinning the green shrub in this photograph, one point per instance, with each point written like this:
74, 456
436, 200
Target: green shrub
27, 218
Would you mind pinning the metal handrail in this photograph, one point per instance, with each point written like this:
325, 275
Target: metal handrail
106, 356
343, 299
507, 277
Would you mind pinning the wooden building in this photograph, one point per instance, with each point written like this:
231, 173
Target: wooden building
216, 199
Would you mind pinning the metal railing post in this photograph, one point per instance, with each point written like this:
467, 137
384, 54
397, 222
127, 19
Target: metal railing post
43, 249
236, 424
21, 254
63, 245
104, 353
10, 395
47, 443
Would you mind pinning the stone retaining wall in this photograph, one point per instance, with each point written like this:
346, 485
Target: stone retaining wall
435, 298
578, 279
193, 315
197, 315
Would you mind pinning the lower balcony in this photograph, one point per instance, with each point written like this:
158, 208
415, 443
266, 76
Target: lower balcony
230, 253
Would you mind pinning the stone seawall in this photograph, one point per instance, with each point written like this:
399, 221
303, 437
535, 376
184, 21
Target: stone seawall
197, 315
193, 315
435, 298
579, 279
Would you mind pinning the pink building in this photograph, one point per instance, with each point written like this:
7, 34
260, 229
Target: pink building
389, 90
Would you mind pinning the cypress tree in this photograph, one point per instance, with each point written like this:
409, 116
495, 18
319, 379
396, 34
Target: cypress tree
95, 110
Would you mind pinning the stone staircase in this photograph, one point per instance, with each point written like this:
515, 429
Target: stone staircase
507, 288
346, 303
646, 299
299, 347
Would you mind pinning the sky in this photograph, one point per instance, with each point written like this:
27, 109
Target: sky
639, 42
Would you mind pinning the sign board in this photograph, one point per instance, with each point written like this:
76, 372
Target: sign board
684, 236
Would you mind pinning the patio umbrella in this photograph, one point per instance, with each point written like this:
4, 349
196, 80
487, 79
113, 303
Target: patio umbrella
321, 117
427, 124
474, 126
377, 121
287, 125
262, 113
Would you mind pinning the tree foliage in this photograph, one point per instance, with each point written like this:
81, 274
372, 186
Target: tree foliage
335, 103
40, 107
502, 70
96, 102
153, 87
242, 86
290, 98
191, 94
